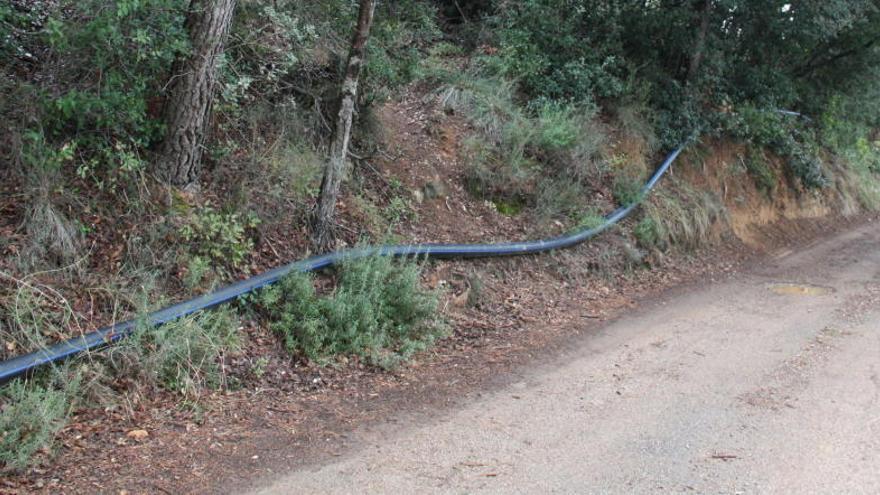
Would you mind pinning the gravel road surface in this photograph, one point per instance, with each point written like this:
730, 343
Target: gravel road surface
767, 382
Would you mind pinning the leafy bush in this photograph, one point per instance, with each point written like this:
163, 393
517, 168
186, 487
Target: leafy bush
124, 49
117, 55
797, 145
626, 188
805, 163
762, 174
559, 50
648, 233
221, 237
378, 311
760, 127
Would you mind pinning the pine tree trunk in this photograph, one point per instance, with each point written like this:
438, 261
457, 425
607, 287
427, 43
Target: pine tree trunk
192, 92
334, 170
700, 47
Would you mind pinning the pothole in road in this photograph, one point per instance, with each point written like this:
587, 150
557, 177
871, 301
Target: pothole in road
787, 289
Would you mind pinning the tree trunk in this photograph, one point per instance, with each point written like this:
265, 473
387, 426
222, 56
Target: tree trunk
700, 46
192, 92
334, 170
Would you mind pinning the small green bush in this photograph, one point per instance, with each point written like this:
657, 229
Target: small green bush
31, 415
520, 148
763, 128
508, 208
626, 189
181, 356
762, 174
648, 233
378, 312
221, 237
867, 153
558, 129
590, 220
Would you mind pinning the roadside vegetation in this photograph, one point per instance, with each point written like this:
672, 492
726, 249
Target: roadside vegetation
378, 311
568, 107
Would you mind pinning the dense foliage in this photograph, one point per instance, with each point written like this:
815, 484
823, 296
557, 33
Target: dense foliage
95, 72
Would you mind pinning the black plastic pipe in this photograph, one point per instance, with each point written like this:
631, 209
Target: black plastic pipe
21, 365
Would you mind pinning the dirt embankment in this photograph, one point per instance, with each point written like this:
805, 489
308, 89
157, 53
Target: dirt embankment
504, 313
721, 168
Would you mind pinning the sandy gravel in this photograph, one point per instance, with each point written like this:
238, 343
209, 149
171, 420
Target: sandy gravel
744, 386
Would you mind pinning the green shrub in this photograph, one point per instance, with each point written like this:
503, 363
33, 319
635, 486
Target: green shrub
590, 220
557, 127
626, 188
180, 356
867, 153
648, 233
760, 127
221, 237
520, 148
767, 128
117, 55
31, 415
508, 208
762, 174
862, 172
804, 161
557, 51
378, 312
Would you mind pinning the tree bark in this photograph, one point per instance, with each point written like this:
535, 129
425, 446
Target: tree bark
700, 46
334, 170
192, 92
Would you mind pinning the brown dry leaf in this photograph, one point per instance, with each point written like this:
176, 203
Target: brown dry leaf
137, 434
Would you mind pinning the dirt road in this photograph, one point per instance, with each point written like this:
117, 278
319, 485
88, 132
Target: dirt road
768, 382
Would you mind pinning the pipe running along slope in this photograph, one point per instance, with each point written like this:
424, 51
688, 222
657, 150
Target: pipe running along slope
21, 365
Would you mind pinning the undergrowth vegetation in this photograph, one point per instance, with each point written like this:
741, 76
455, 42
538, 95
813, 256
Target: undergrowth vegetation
545, 154
378, 311
31, 415
183, 357
679, 216
567, 105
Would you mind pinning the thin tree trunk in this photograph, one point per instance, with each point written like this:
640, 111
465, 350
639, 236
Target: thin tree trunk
334, 171
192, 92
700, 47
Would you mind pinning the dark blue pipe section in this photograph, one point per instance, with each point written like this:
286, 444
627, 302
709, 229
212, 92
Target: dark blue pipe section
24, 364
